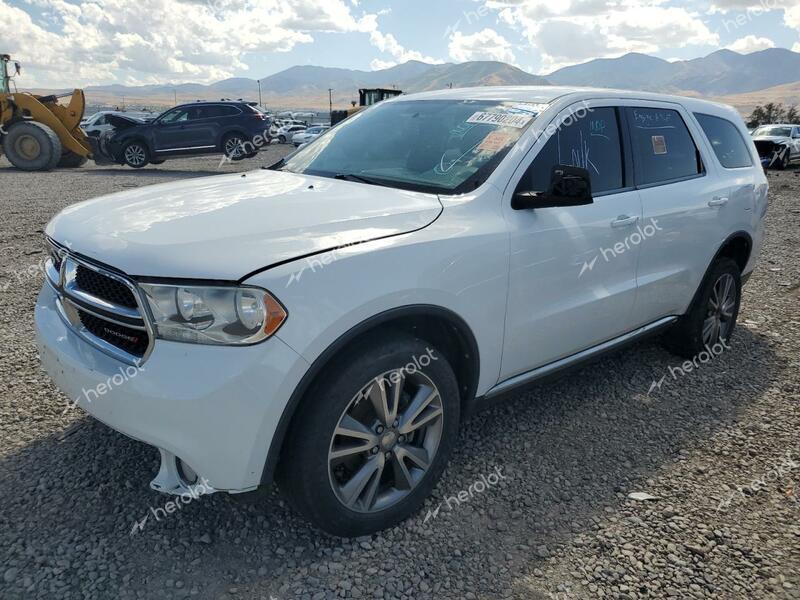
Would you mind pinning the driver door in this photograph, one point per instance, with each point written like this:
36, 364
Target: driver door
572, 278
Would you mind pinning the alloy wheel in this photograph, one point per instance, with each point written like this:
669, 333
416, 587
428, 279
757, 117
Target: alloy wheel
233, 147
135, 155
720, 311
385, 441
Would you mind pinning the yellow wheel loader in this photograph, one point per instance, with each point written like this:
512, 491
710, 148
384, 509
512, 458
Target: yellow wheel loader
37, 133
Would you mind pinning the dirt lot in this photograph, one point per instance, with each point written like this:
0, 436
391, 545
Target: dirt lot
717, 447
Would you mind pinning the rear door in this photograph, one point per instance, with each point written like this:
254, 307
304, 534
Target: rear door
572, 278
682, 199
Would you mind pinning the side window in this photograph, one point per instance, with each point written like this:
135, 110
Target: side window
663, 149
590, 142
726, 141
229, 111
179, 114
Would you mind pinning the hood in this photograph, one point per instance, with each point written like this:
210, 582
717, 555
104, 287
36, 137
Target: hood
122, 122
227, 226
778, 139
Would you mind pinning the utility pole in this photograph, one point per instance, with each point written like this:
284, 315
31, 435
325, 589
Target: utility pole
259, 93
175, 92
330, 105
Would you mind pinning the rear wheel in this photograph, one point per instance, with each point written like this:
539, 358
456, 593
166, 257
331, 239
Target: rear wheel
157, 162
32, 146
70, 160
372, 437
135, 154
282, 139
712, 317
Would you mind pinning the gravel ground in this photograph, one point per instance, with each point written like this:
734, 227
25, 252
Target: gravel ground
717, 449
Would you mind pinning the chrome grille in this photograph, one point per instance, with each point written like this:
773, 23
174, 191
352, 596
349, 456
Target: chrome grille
102, 306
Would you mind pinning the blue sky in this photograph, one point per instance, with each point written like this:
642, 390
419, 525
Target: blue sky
85, 42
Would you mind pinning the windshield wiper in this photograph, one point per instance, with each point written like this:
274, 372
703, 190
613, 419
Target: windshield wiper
275, 166
359, 178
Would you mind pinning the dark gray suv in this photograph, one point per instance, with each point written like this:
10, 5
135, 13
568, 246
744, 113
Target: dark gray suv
237, 129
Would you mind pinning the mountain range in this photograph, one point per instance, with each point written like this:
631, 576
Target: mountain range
740, 78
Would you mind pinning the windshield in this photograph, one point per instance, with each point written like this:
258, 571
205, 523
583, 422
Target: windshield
773, 132
437, 146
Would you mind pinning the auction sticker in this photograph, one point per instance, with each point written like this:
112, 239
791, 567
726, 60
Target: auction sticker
494, 141
501, 119
659, 144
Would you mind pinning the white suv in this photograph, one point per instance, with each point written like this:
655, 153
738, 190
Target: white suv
330, 321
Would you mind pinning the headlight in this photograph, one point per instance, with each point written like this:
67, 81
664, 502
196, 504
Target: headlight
223, 315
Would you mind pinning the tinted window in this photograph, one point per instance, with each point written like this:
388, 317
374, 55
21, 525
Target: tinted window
590, 142
663, 149
174, 116
728, 144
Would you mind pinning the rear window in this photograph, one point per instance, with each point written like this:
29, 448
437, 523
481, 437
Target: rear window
727, 142
663, 149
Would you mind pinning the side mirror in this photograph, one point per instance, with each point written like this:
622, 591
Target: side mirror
569, 186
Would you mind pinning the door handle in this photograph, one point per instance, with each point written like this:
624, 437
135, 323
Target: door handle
624, 221
717, 201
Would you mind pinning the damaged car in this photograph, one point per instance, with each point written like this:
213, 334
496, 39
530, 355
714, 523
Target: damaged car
778, 145
236, 129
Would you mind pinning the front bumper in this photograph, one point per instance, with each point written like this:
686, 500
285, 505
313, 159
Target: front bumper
214, 407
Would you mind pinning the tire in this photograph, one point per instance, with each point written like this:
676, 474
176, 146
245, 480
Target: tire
135, 154
282, 139
233, 146
32, 146
70, 160
157, 162
686, 338
318, 483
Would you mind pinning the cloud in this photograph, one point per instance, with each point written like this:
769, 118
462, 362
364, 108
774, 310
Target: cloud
577, 30
388, 44
155, 41
751, 43
483, 45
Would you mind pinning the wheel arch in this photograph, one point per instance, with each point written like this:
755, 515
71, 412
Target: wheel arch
440, 326
738, 246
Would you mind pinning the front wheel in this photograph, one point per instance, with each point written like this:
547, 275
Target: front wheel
372, 437
32, 146
135, 154
711, 319
282, 139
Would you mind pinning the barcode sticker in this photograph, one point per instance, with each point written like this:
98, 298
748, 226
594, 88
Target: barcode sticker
501, 119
